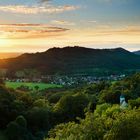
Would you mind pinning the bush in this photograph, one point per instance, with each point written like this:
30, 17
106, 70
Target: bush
134, 103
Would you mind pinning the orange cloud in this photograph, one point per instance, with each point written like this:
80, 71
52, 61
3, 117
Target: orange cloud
25, 31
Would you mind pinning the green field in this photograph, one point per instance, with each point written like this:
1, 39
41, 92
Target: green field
41, 86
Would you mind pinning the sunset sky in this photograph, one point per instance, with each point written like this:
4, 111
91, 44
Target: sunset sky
36, 25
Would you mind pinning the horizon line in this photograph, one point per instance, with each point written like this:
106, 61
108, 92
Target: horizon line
22, 52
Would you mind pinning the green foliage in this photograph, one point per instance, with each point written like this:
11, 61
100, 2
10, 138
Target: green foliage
20, 120
17, 130
28, 73
39, 119
100, 109
96, 88
110, 96
90, 112
1, 82
135, 103
132, 83
54, 98
107, 123
12, 131
36, 87
27, 99
2, 73
41, 103
72, 60
129, 87
7, 110
71, 106
2, 136
126, 127
23, 88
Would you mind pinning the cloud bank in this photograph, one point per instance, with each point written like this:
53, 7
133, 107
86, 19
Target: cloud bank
27, 31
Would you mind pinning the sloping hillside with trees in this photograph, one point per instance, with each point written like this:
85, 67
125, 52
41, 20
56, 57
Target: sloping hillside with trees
89, 112
74, 60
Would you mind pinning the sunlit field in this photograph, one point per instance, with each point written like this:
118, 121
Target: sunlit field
32, 86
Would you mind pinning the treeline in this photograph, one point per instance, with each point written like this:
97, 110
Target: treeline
90, 112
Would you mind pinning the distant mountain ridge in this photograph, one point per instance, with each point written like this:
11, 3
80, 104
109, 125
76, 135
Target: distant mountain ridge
4, 55
137, 52
74, 60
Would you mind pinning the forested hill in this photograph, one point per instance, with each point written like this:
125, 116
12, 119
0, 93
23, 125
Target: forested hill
74, 60
137, 52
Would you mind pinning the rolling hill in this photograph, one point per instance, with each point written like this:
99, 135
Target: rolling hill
74, 60
137, 52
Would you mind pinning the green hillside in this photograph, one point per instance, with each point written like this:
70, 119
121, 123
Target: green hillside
74, 60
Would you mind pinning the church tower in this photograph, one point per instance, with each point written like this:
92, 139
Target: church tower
123, 103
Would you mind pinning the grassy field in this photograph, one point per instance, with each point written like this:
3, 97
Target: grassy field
41, 86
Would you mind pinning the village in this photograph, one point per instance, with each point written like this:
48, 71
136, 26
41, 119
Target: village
67, 80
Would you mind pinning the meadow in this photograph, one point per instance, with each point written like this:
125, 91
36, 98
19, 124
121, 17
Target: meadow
41, 86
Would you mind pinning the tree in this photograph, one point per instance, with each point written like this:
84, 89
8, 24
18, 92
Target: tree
3, 73
28, 73
69, 107
17, 130
12, 131
2, 82
110, 96
20, 74
7, 110
39, 119
41, 103
20, 120
106, 123
126, 127
96, 88
36, 88
134, 103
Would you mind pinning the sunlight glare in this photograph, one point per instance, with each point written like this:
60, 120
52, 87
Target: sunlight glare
4, 43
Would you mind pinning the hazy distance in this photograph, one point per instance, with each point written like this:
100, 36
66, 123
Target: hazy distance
4, 55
